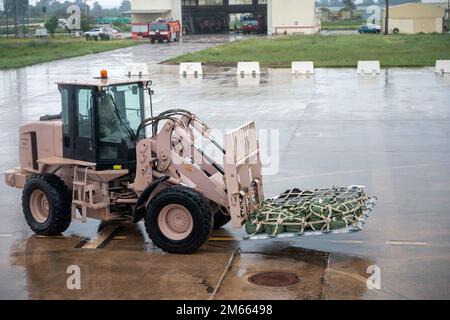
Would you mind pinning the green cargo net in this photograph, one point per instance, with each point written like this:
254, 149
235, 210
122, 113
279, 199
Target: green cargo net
314, 211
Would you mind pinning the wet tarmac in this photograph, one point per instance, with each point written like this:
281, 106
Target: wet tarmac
389, 133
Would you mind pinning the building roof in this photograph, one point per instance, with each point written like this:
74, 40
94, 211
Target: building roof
149, 11
435, 1
101, 83
415, 10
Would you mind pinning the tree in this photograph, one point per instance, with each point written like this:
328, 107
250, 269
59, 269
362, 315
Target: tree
349, 4
125, 6
96, 10
17, 10
86, 23
51, 24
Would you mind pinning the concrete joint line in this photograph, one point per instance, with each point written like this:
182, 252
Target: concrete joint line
224, 273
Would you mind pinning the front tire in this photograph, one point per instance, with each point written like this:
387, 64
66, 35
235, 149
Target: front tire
46, 204
178, 220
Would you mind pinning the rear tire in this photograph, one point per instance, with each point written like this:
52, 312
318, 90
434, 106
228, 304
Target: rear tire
220, 220
46, 204
178, 220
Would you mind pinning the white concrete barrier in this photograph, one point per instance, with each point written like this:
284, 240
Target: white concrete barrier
245, 68
190, 69
368, 67
136, 69
302, 67
442, 66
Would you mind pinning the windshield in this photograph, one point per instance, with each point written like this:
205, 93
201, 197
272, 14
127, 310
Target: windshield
250, 23
121, 109
159, 26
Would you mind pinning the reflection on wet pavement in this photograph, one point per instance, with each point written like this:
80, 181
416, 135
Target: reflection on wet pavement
389, 133
131, 268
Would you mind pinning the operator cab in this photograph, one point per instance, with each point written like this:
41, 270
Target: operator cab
100, 120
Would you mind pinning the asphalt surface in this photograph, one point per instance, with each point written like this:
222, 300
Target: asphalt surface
389, 133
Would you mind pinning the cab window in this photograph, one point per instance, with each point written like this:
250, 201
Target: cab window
120, 112
84, 102
159, 26
129, 99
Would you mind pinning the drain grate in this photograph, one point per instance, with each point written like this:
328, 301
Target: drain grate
274, 279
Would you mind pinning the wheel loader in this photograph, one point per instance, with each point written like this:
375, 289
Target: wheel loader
102, 158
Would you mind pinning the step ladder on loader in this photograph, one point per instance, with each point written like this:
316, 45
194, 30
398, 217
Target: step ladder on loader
83, 197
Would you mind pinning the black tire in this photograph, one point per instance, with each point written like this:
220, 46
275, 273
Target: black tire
199, 211
220, 220
58, 198
396, 30
152, 41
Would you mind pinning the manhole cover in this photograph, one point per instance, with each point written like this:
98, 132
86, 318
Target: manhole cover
274, 279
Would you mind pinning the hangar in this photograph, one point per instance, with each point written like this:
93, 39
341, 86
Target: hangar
212, 16
415, 18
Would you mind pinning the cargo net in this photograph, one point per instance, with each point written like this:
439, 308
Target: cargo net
321, 210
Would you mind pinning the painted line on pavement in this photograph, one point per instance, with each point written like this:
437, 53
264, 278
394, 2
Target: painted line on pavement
104, 236
406, 243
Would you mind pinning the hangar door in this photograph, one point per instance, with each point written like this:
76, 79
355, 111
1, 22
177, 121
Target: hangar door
218, 16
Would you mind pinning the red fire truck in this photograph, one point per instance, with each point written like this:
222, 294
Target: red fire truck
139, 30
252, 24
160, 30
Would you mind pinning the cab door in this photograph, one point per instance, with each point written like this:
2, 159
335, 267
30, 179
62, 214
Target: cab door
84, 140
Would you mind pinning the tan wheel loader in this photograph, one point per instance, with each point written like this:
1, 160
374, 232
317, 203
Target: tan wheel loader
101, 158
94, 160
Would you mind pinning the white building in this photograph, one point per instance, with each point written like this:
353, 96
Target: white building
414, 18
281, 16
444, 4
149, 10
292, 17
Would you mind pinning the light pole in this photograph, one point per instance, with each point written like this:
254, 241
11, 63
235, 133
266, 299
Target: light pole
6, 14
28, 17
386, 18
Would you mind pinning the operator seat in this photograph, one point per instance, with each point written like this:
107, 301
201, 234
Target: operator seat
109, 128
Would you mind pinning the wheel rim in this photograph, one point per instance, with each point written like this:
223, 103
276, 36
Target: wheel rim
175, 222
39, 206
